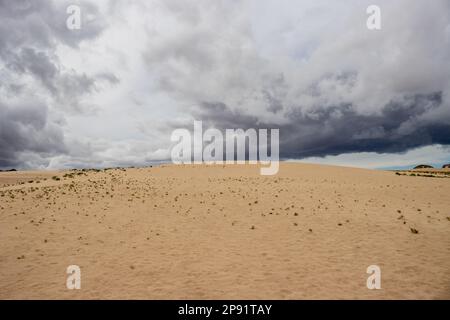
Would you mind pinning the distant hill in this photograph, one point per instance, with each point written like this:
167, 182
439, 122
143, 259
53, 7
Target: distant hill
423, 166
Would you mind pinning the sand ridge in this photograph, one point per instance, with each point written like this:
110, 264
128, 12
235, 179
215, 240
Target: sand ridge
224, 232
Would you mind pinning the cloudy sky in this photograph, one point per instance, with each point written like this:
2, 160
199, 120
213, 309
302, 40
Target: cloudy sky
111, 93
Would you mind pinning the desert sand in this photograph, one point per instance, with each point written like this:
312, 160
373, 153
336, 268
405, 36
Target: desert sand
224, 232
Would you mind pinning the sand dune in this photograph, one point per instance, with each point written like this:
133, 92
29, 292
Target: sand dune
215, 232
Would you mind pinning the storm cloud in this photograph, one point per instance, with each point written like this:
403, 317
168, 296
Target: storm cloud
401, 125
112, 92
35, 88
346, 90
25, 128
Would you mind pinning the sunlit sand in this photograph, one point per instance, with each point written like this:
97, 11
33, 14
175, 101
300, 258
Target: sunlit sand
224, 232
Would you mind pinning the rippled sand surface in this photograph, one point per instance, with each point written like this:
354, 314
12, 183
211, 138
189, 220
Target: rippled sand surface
224, 232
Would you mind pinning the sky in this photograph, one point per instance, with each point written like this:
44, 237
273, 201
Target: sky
112, 92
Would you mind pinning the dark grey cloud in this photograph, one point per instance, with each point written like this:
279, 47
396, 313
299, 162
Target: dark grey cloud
35, 88
26, 128
342, 90
335, 130
43, 23
30, 32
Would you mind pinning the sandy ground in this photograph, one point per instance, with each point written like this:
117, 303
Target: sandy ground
214, 232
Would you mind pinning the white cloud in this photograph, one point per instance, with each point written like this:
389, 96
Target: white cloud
142, 66
434, 155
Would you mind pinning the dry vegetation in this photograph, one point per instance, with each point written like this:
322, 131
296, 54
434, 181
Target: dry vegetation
427, 173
